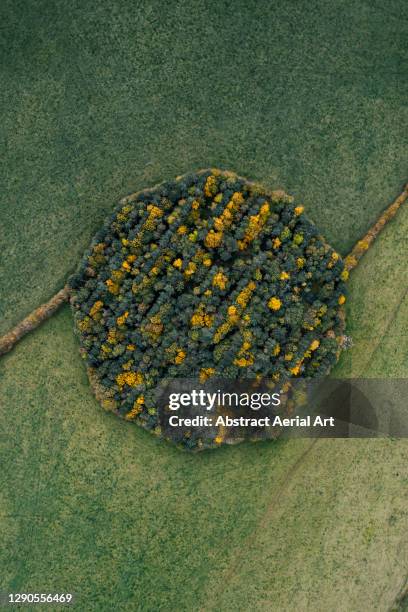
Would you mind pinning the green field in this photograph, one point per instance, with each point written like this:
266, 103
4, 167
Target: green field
101, 99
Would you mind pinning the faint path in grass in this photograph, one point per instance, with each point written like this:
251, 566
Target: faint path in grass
119, 514
235, 563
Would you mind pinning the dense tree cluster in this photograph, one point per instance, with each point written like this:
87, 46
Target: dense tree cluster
206, 276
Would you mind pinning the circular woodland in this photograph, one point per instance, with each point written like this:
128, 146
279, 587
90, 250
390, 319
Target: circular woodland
206, 276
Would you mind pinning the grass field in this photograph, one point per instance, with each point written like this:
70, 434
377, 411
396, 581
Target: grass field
104, 99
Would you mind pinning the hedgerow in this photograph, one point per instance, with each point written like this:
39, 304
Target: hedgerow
206, 276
